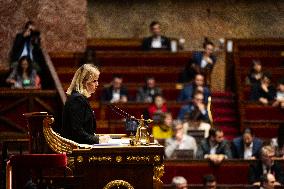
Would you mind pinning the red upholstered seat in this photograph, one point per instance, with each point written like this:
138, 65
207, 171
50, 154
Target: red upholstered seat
39, 161
22, 167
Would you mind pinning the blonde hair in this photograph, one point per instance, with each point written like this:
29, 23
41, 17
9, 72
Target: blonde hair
266, 150
86, 73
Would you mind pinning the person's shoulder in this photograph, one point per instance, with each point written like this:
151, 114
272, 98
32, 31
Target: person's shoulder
75, 97
165, 38
190, 138
237, 140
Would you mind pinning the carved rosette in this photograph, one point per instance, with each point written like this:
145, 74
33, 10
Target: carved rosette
118, 183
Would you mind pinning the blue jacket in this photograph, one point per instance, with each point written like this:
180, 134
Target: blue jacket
194, 113
238, 147
188, 91
198, 56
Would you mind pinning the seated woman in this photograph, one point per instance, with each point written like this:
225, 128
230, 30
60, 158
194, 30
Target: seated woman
157, 108
263, 92
79, 121
164, 130
255, 73
279, 98
24, 76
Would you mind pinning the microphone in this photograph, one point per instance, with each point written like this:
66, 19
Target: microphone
131, 123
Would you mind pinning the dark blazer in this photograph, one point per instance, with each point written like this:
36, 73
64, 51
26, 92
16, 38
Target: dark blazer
256, 171
18, 47
198, 56
187, 93
257, 92
144, 94
79, 122
204, 148
107, 93
238, 147
194, 113
147, 42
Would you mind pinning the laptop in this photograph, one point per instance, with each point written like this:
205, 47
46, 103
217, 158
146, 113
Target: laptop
182, 154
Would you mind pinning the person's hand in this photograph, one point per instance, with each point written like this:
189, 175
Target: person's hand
27, 33
263, 100
277, 184
264, 86
104, 139
252, 158
123, 99
256, 184
209, 60
201, 106
12, 81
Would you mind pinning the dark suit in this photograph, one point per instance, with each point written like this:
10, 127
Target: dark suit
18, 46
198, 56
204, 148
257, 92
107, 93
188, 91
146, 94
238, 147
79, 122
256, 171
147, 43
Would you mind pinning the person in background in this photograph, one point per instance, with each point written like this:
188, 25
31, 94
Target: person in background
157, 108
279, 98
201, 62
247, 146
164, 130
156, 41
255, 73
22, 44
195, 110
209, 182
265, 165
148, 91
116, 92
24, 76
188, 91
214, 148
179, 182
263, 92
267, 181
278, 142
179, 140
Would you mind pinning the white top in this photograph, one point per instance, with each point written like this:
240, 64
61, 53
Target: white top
248, 151
280, 95
203, 63
156, 42
115, 96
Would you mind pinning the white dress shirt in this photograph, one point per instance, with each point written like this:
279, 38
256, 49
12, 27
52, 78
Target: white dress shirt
156, 42
248, 151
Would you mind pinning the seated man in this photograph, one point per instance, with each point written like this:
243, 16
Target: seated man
156, 41
179, 141
263, 92
267, 181
209, 182
214, 148
197, 85
247, 146
116, 92
179, 182
195, 115
148, 92
265, 165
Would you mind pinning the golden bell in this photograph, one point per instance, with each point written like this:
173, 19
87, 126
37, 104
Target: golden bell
142, 135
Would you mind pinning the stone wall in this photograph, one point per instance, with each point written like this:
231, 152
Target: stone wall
61, 22
192, 20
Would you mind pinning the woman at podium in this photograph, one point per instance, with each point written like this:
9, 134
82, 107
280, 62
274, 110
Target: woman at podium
79, 121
